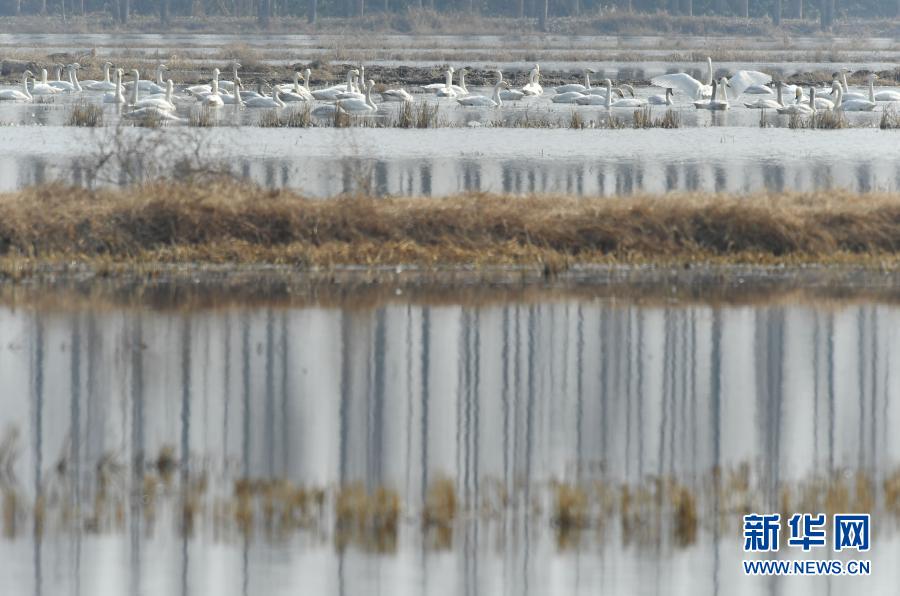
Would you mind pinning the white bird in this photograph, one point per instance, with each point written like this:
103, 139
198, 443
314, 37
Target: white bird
768, 104
577, 86
43, 88
451, 90
295, 92
152, 113
460, 89
331, 93
567, 97
266, 102
15, 94
852, 105
149, 86
510, 94
64, 86
713, 103
116, 96
396, 95
165, 103
759, 90
741, 81
799, 107
846, 94
886, 95
687, 84
435, 87
360, 106
533, 87
661, 100
628, 102
229, 85
214, 99
104, 85
202, 90
484, 102
597, 99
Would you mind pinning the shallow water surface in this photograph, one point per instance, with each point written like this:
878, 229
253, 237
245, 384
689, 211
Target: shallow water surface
142, 426
324, 162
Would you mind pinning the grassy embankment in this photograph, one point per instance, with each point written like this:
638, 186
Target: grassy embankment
229, 223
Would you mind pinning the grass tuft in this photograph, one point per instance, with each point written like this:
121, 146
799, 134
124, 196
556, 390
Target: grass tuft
85, 114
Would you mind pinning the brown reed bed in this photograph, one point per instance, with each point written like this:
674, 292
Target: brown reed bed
229, 223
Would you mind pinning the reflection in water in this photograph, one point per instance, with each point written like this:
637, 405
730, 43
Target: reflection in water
444, 176
515, 411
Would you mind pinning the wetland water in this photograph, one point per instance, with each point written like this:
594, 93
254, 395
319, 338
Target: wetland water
328, 162
130, 421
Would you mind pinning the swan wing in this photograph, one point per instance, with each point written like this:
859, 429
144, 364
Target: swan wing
743, 79
679, 81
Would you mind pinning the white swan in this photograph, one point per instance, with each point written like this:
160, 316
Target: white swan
229, 85
64, 86
852, 105
661, 100
150, 86
105, 84
597, 99
331, 93
449, 89
759, 90
15, 94
768, 104
117, 95
461, 89
687, 84
154, 113
360, 106
435, 87
799, 107
628, 102
533, 87
484, 102
214, 99
293, 91
202, 90
163, 103
266, 102
510, 94
713, 103
568, 97
396, 95
846, 94
577, 86
886, 95
43, 88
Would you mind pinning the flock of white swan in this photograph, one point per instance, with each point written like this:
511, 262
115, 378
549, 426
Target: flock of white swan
145, 98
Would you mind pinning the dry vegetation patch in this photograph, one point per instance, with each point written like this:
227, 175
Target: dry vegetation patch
227, 222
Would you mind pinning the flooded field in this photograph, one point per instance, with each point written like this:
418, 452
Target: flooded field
324, 162
561, 147
589, 435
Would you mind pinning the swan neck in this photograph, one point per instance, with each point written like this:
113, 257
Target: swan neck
844, 82
709, 71
137, 85
871, 90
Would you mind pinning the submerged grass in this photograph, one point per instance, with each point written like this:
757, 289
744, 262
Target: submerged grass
229, 223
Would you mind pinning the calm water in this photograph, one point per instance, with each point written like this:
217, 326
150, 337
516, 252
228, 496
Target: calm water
499, 395
328, 162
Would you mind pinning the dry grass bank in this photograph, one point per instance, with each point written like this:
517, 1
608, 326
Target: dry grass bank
229, 223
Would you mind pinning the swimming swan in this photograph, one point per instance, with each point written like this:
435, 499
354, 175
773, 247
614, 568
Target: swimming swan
577, 86
798, 108
15, 94
713, 103
768, 104
533, 87
484, 102
116, 96
852, 105
360, 106
661, 100
105, 84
